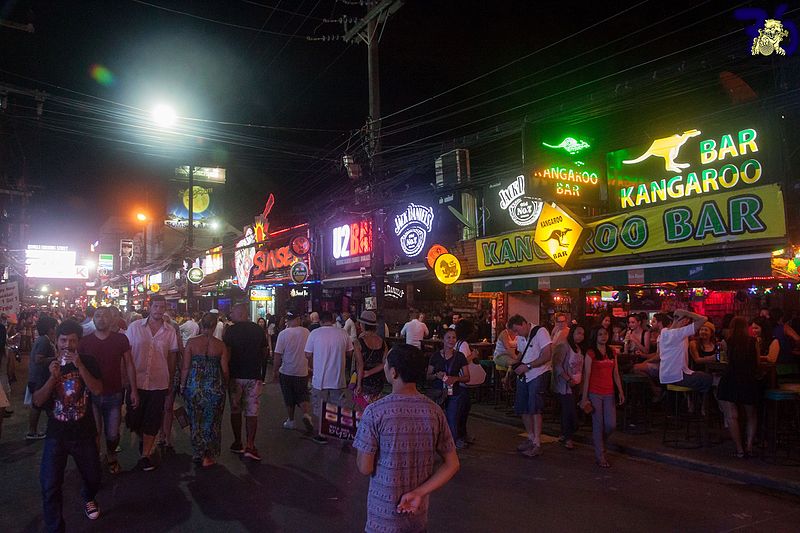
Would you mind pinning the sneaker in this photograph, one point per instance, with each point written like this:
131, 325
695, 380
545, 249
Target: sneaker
288, 424
319, 439
119, 449
534, 451
91, 510
146, 465
35, 436
526, 445
252, 453
308, 423
237, 447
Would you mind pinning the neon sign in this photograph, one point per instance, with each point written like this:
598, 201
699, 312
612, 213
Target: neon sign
390, 291
522, 209
570, 145
413, 226
351, 240
699, 181
569, 180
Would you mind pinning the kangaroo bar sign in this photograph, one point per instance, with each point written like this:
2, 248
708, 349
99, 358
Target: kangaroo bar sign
689, 163
730, 217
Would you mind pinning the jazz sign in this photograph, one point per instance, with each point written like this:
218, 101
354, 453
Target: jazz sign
693, 162
730, 217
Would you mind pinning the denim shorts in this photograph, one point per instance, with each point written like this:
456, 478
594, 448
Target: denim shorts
530, 395
108, 408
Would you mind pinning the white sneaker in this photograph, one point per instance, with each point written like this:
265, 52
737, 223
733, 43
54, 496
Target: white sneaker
288, 424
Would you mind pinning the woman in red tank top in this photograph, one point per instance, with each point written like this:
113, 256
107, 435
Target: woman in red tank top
599, 377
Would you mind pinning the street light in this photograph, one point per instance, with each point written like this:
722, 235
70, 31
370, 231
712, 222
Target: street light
164, 116
141, 217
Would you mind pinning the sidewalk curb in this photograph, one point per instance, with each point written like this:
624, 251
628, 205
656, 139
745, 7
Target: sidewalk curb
743, 476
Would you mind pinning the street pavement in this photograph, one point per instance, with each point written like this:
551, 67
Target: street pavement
304, 487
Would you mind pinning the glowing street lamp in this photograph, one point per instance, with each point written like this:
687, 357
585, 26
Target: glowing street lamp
164, 116
141, 217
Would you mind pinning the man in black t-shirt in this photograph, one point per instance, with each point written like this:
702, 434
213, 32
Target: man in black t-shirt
246, 342
70, 428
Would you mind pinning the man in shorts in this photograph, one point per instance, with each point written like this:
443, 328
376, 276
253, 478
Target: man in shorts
246, 342
327, 349
533, 372
154, 347
290, 368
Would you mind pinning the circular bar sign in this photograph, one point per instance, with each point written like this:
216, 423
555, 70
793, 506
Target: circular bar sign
447, 269
195, 275
299, 272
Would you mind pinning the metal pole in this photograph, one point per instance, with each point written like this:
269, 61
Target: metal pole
190, 240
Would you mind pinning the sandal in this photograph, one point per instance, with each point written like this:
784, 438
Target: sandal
114, 467
603, 464
738, 455
569, 445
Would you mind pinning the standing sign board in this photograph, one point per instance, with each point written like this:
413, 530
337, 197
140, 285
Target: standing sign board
340, 422
9, 297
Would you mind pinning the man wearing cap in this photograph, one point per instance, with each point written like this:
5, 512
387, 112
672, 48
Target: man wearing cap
290, 368
673, 352
327, 349
219, 331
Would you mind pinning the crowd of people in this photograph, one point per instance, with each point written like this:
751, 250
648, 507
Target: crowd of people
93, 371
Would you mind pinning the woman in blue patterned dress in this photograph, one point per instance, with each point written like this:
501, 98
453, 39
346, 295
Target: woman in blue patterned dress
203, 378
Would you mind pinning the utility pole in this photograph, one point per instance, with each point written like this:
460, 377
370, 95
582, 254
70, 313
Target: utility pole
367, 31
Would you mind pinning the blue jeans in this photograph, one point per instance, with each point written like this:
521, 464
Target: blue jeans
455, 409
604, 420
51, 475
107, 410
569, 415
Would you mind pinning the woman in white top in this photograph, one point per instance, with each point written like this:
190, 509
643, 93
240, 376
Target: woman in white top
505, 349
568, 373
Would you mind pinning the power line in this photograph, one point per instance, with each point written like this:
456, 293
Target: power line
277, 9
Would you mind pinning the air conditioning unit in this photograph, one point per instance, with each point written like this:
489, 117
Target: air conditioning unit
452, 168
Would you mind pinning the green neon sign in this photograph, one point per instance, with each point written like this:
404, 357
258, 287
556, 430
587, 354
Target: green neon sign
570, 145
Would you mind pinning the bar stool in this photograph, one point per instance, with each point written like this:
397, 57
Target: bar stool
782, 426
683, 428
636, 410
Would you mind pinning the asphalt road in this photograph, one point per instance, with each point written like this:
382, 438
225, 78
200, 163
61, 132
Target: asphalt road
303, 487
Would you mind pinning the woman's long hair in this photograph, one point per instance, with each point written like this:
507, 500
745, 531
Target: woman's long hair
766, 330
571, 339
598, 355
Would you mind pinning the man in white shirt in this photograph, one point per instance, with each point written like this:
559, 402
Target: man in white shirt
290, 369
533, 373
350, 326
415, 330
219, 331
327, 349
191, 328
673, 352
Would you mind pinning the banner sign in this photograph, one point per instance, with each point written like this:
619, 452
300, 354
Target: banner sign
694, 162
736, 216
9, 297
339, 422
350, 246
204, 205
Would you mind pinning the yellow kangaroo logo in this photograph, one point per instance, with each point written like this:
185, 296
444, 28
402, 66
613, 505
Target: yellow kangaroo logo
667, 148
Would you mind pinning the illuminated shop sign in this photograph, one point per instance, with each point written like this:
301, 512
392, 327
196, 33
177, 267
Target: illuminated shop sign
522, 209
570, 145
731, 217
447, 269
260, 295
570, 181
558, 233
390, 291
211, 261
686, 164
413, 226
352, 240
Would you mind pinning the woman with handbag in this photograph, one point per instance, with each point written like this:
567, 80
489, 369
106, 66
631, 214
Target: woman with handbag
448, 368
568, 373
203, 377
369, 352
600, 375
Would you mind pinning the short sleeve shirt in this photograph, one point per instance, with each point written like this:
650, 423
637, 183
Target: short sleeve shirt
108, 352
534, 351
329, 345
673, 350
151, 353
69, 409
451, 367
246, 342
291, 345
406, 433
39, 372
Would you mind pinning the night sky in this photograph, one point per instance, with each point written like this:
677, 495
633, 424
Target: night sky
89, 157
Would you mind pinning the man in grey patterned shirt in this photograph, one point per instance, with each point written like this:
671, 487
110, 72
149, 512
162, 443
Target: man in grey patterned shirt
398, 439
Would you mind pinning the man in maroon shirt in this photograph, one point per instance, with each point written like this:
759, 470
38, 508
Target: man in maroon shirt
111, 350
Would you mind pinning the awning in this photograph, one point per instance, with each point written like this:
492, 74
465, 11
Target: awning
705, 269
347, 279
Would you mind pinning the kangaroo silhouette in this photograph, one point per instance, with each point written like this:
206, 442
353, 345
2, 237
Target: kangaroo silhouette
667, 148
558, 235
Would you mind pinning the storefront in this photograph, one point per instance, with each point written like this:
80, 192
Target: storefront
701, 236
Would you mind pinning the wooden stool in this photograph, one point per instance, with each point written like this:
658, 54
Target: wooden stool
688, 426
636, 410
782, 426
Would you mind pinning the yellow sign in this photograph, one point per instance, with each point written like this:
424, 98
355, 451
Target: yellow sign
732, 216
155, 287
557, 233
447, 268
